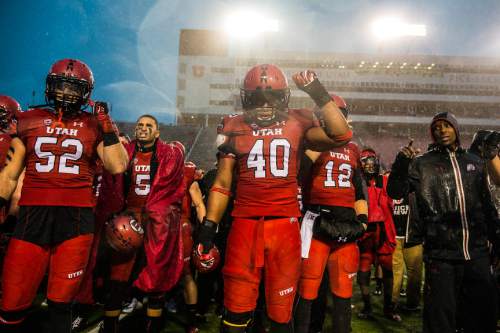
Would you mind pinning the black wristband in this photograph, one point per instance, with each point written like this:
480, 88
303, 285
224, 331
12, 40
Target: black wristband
110, 139
362, 218
3, 202
318, 93
210, 224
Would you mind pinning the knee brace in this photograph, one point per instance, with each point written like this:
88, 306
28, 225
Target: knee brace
235, 322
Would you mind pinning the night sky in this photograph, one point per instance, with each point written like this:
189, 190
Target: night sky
132, 45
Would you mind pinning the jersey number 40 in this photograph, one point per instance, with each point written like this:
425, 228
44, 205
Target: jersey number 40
256, 158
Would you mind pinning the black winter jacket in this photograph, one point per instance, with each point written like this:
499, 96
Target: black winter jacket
454, 203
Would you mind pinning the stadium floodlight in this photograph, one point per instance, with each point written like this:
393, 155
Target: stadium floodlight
247, 24
393, 27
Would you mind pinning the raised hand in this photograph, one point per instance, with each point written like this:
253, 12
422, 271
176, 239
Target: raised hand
409, 151
304, 78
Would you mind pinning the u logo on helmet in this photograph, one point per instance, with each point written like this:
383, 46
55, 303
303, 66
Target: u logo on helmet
136, 226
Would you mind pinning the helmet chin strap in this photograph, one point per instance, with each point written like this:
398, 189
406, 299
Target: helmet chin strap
253, 117
58, 122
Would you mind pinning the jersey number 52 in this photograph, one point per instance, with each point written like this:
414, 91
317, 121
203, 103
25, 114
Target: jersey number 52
49, 159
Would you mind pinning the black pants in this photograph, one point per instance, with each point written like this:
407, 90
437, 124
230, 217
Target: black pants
448, 281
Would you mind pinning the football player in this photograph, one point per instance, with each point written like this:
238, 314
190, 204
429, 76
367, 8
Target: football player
9, 109
379, 242
59, 145
335, 196
262, 146
153, 190
192, 197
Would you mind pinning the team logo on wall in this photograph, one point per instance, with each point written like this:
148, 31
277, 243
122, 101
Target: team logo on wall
198, 70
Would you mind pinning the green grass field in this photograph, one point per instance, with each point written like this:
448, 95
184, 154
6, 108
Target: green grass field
174, 323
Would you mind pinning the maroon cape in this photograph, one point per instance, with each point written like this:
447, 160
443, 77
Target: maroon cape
163, 238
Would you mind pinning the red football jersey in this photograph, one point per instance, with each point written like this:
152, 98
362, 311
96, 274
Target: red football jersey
60, 158
140, 181
267, 163
332, 177
189, 171
4, 148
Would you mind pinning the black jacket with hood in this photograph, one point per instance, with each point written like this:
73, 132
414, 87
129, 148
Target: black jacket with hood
454, 203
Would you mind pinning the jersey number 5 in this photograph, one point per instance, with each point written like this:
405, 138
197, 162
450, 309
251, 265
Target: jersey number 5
257, 161
49, 159
142, 185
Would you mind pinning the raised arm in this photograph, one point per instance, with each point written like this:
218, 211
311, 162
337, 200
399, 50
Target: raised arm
112, 153
335, 130
399, 184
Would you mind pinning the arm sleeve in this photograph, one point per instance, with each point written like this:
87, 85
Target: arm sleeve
358, 185
398, 185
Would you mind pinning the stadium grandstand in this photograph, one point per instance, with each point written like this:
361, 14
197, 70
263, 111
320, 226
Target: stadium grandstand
392, 97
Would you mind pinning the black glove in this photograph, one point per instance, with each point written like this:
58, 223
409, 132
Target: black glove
206, 235
476, 146
363, 219
490, 145
308, 82
342, 231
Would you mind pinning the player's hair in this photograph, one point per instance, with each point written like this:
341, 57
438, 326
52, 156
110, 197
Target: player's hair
151, 117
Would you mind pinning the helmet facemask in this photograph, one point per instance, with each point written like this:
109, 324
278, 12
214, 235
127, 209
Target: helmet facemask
67, 94
263, 105
5, 119
370, 166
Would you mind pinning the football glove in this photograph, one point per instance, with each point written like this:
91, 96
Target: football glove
490, 145
308, 82
206, 235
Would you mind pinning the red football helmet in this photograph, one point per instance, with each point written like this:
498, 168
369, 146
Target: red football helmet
342, 105
369, 162
265, 84
69, 84
124, 233
9, 109
205, 263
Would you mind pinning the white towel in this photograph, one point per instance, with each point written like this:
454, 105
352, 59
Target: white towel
306, 232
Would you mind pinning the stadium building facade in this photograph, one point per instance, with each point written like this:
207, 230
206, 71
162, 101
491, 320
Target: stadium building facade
390, 95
